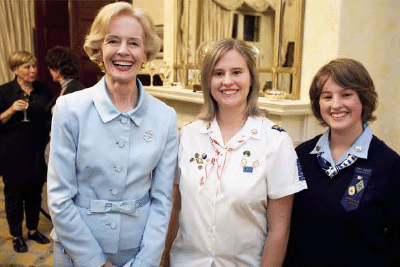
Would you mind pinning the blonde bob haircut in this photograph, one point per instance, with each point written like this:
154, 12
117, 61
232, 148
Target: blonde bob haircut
210, 107
101, 23
18, 58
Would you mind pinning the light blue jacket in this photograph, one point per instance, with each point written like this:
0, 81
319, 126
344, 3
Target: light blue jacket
110, 176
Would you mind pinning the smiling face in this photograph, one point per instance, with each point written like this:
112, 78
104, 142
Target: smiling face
26, 73
123, 49
230, 81
340, 108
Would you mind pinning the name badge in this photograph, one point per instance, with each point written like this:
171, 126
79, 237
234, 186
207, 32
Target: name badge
247, 169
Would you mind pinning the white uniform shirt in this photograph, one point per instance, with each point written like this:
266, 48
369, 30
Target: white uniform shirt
225, 190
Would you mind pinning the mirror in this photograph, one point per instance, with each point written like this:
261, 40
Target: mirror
273, 27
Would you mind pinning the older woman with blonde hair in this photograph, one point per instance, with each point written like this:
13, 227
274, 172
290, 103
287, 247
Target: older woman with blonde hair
22, 140
113, 153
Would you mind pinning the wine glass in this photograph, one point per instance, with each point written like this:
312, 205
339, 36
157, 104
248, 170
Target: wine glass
165, 73
25, 98
152, 71
191, 77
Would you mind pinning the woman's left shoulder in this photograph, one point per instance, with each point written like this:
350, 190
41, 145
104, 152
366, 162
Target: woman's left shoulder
270, 128
378, 149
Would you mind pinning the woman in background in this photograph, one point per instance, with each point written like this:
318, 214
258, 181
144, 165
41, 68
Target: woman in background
238, 172
113, 153
63, 65
350, 214
22, 140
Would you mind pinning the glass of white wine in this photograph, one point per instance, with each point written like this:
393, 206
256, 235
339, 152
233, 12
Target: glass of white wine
165, 74
191, 77
25, 98
152, 72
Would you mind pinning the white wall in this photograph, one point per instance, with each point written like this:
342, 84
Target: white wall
154, 8
371, 34
321, 38
368, 31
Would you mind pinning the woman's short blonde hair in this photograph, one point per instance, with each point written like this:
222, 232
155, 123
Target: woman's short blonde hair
210, 108
18, 58
106, 14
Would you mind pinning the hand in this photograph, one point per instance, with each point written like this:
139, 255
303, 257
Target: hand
108, 264
20, 105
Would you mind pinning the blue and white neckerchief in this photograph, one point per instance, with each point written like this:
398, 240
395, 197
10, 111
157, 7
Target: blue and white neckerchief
331, 171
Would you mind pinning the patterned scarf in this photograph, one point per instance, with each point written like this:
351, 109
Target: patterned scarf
331, 171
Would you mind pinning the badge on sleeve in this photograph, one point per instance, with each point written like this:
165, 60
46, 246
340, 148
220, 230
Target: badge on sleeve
278, 128
300, 171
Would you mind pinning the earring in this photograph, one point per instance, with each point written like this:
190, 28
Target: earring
101, 65
143, 66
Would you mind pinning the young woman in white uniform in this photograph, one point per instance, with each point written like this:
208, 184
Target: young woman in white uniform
238, 171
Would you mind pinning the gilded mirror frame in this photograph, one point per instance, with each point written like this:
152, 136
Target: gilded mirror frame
186, 65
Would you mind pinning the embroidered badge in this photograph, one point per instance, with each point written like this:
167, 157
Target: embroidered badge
278, 128
360, 186
356, 189
300, 171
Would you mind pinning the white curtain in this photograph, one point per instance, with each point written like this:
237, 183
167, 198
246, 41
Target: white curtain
216, 22
17, 22
257, 5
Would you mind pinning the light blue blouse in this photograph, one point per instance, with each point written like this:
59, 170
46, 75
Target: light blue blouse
110, 176
359, 148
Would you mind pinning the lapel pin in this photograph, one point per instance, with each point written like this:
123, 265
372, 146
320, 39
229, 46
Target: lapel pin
148, 135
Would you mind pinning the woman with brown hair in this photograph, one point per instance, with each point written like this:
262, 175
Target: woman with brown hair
350, 213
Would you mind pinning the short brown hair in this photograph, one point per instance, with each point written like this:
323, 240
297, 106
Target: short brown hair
350, 74
18, 58
210, 108
102, 21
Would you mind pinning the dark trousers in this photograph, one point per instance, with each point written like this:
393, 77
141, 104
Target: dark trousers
20, 198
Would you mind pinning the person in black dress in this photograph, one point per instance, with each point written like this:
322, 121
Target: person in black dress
22, 146
350, 213
64, 66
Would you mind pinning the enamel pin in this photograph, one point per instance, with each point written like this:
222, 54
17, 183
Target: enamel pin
148, 135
